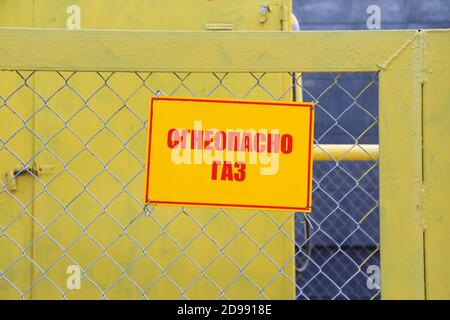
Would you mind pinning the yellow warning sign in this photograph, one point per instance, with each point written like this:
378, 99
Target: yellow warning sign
230, 153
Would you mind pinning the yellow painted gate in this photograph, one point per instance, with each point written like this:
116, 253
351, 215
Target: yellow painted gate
85, 141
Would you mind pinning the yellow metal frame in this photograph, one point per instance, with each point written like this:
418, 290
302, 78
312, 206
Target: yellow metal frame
436, 162
414, 72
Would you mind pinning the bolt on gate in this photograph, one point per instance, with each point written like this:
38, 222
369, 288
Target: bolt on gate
73, 109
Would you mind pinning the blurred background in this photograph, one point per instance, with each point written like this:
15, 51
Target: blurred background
352, 15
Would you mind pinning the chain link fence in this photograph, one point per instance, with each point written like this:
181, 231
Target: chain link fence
72, 148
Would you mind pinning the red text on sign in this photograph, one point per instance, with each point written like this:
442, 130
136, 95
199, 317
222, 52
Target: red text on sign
228, 171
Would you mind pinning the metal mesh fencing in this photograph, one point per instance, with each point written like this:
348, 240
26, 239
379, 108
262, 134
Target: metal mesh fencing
72, 148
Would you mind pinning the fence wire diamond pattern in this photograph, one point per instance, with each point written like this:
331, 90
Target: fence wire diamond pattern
85, 209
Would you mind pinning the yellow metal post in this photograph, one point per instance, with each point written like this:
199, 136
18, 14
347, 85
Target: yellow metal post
436, 162
401, 233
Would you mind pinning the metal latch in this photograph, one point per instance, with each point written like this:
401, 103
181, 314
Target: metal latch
37, 170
